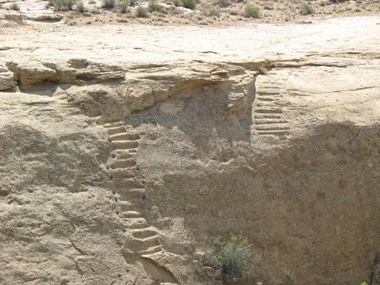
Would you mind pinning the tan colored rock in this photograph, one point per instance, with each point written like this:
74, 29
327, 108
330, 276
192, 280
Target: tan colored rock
32, 72
6, 79
126, 170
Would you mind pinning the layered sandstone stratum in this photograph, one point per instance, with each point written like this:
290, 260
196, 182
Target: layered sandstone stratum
122, 154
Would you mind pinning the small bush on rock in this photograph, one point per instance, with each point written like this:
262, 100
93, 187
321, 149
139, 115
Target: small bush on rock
154, 6
189, 4
61, 5
80, 7
108, 4
210, 11
251, 11
290, 276
141, 12
177, 3
306, 9
14, 6
123, 6
231, 258
223, 3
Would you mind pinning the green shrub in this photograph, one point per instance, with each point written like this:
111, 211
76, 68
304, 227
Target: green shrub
80, 7
251, 11
262, 70
123, 6
189, 4
223, 3
211, 11
153, 6
290, 276
306, 9
92, 2
231, 258
14, 6
61, 5
108, 4
338, 1
141, 12
177, 3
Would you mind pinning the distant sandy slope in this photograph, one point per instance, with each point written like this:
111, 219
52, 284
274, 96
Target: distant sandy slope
127, 44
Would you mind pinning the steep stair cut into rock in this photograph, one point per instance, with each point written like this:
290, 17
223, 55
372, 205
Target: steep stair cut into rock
141, 239
268, 110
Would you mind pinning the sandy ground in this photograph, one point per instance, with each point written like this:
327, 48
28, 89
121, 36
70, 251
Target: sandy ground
240, 43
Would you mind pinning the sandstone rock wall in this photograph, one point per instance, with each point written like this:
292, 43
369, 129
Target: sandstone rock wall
120, 174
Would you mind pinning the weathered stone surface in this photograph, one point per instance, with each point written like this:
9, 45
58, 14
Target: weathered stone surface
31, 72
126, 170
6, 79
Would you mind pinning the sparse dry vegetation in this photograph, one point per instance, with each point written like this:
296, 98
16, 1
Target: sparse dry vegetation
14, 6
189, 4
251, 11
307, 9
141, 12
210, 10
80, 7
108, 4
123, 6
61, 5
230, 258
153, 6
205, 11
222, 3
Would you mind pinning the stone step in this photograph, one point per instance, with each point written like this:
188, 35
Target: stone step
121, 154
142, 244
269, 121
131, 194
271, 128
125, 144
268, 111
124, 136
116, 130
144, 233
121, 173
113, 124
122, 163
272, 133
268, 92
137, 223
126, 206
131, 214
267, 99
151, 250
269, 104
130, 183
267, 116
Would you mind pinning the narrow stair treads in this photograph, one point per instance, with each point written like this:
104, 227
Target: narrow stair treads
129, 194
268, 110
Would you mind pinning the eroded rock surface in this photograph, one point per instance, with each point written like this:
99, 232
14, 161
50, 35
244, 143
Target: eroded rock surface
119, 172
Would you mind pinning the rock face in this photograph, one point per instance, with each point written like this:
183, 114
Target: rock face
121, 173
6, 79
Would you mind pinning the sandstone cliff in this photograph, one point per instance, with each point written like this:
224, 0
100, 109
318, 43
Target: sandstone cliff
119, 172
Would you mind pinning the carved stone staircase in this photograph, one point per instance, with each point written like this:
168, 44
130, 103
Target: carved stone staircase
268, 111
141, 239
